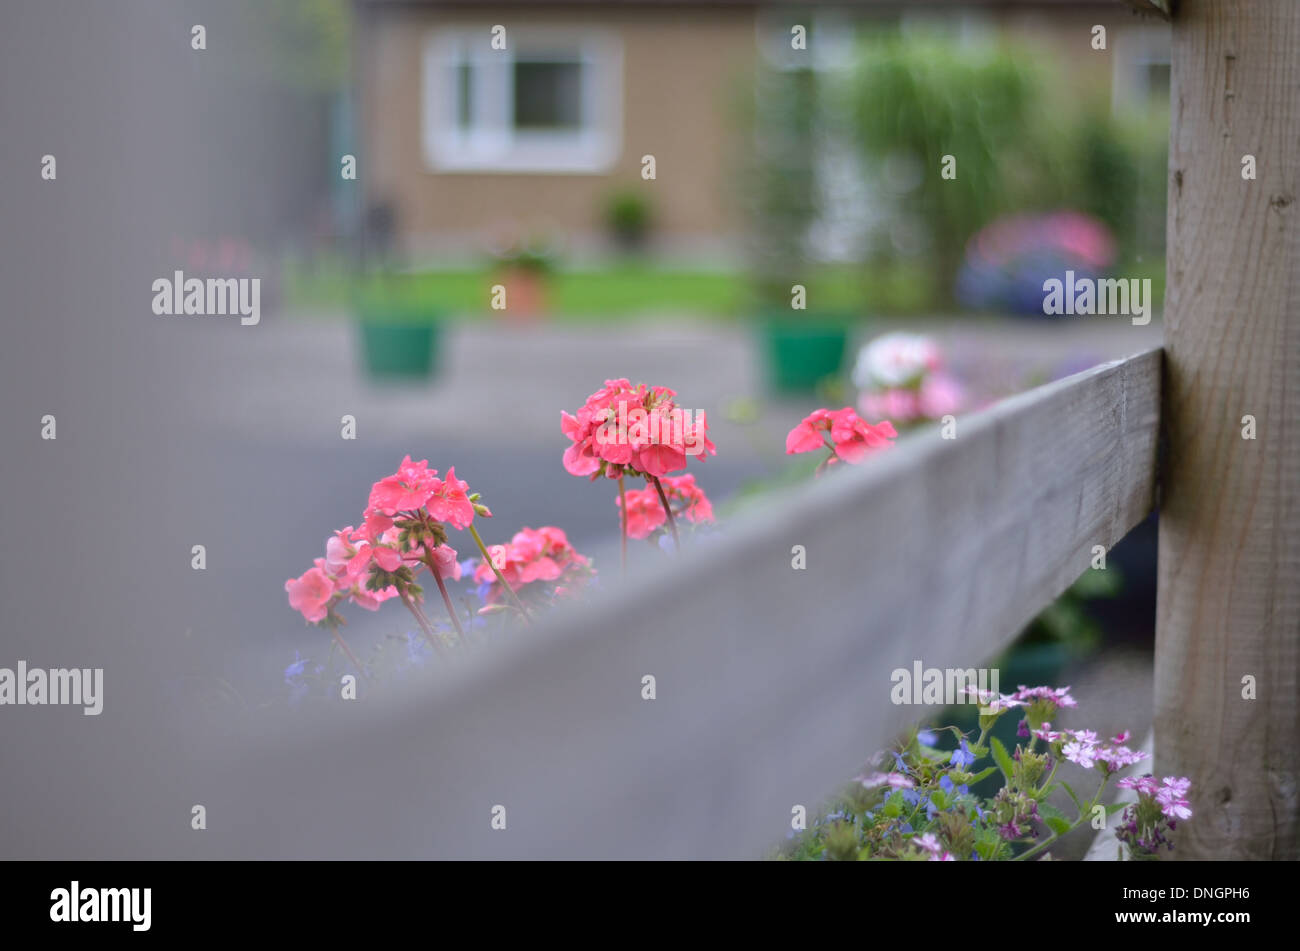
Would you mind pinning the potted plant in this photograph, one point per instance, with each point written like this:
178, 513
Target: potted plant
398, 327
627, 216
801, 348
523, 269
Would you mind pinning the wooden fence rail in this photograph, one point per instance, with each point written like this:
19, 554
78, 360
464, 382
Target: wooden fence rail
772, 684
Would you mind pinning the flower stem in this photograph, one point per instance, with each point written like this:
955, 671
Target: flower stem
622, 519
347, 650
1024, 856
442, 588
672, 522
497, 571
421, 620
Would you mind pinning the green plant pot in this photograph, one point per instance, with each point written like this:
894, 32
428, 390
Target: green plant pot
398, 333
399, 350
798, 356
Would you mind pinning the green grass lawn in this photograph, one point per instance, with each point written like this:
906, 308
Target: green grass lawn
620, 291
635, 290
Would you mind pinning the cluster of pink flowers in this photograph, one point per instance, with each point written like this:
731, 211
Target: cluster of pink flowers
645, 512
902, 377
1159, 809
623, 429
414, 487
1082, 748
1058, 696
929, 843
846, 434
1043, 700
401, 529
534, 558
318, 590
1170, 794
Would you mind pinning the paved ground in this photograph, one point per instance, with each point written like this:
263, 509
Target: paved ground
288, 381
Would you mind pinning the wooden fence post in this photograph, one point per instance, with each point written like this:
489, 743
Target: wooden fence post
1228, 621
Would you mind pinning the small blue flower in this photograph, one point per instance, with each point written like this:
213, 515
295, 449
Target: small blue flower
417, 649
962, 757
946, 784
926, 737
898, 762
296, 670
911, 797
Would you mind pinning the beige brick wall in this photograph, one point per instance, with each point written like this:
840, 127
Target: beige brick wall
683, 70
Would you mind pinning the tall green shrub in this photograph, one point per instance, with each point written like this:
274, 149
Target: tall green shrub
923, 99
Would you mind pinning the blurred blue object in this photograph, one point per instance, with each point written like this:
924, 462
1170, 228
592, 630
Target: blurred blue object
1008, 261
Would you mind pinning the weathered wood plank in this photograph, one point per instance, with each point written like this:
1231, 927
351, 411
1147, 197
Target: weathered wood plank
1229, 581
773, 685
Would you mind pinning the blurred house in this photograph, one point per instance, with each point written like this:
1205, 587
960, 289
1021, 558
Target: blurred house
464, 144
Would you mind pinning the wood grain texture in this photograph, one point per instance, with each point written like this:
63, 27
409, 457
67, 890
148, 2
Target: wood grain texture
773, 685
1229, 576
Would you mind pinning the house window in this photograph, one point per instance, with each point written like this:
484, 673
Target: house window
1140, 78
548, 103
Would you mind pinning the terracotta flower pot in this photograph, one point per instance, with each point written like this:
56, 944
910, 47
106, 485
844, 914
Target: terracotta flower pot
525, 293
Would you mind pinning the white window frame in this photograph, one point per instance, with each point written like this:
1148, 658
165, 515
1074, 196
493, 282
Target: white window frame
1133, 52
492, 144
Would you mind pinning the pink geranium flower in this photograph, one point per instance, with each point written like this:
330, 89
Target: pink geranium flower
623, 429
533, 555
850, 436
444, 556
371, 600
406, 490
385, 557
449, 501
645, 512
311, 594
339, 549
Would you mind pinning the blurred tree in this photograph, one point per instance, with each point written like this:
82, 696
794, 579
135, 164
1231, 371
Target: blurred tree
304, 44
781, 181
919, 99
